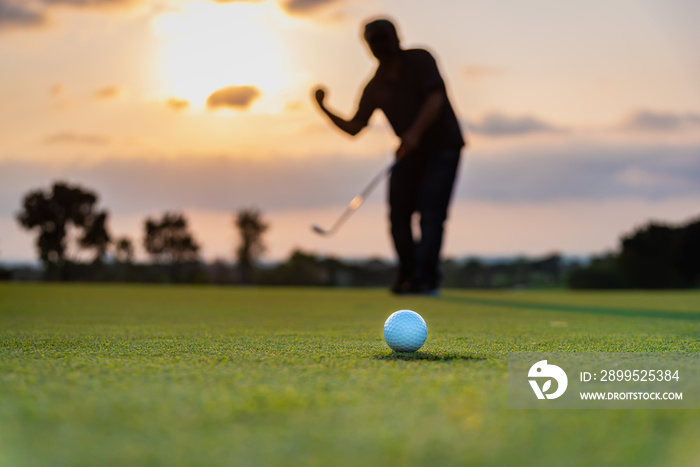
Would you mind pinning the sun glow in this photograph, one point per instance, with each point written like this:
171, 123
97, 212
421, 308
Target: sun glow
208, 46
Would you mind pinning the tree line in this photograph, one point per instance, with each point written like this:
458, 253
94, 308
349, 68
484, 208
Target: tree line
74, 243
69, 226
68, 223
654, 256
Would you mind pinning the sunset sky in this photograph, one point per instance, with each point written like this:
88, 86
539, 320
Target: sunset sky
583, 117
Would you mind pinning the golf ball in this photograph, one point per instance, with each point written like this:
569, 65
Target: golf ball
405, 331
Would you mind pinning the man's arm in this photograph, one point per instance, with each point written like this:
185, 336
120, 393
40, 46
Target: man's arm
426, 116
351, 127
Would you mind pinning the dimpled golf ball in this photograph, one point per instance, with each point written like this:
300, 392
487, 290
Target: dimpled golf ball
405, 331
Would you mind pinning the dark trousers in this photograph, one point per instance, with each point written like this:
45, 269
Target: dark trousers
421, 183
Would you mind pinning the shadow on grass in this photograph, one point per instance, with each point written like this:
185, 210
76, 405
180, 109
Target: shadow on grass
590, 310
426, 356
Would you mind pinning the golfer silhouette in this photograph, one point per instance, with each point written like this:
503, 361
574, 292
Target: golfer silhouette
408, 88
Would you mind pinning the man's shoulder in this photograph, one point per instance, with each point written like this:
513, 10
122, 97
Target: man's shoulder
418, 54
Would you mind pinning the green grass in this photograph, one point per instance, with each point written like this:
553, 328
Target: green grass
141, 375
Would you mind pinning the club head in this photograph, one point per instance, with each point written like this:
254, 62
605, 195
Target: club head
318, 230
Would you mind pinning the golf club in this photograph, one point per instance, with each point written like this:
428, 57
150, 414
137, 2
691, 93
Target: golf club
355, 203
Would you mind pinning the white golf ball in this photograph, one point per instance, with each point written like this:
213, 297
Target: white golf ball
405, 331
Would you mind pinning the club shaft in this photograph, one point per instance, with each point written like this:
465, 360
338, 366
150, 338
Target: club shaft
358, 200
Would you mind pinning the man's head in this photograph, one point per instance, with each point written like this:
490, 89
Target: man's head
382, 39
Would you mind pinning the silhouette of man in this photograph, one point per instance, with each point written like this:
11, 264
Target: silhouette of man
408, 88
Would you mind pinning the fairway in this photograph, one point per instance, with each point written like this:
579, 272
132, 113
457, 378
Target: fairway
157, 375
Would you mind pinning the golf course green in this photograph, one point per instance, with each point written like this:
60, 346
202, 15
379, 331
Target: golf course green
173, 376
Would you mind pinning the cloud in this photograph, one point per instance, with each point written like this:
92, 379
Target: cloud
583, 171
496, 125
108, 92
659, 121
77, 138
57, 90
635, 176
219, 184
535, 175
18, 14
235, 97
93, 3
177, 104
302, 7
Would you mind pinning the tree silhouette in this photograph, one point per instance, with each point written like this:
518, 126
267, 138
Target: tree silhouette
603, 272
660, 256
251, 227
96, 236
655, 256
649, 257
169, 241
56, 213
124, 250
688, 262
303, 269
